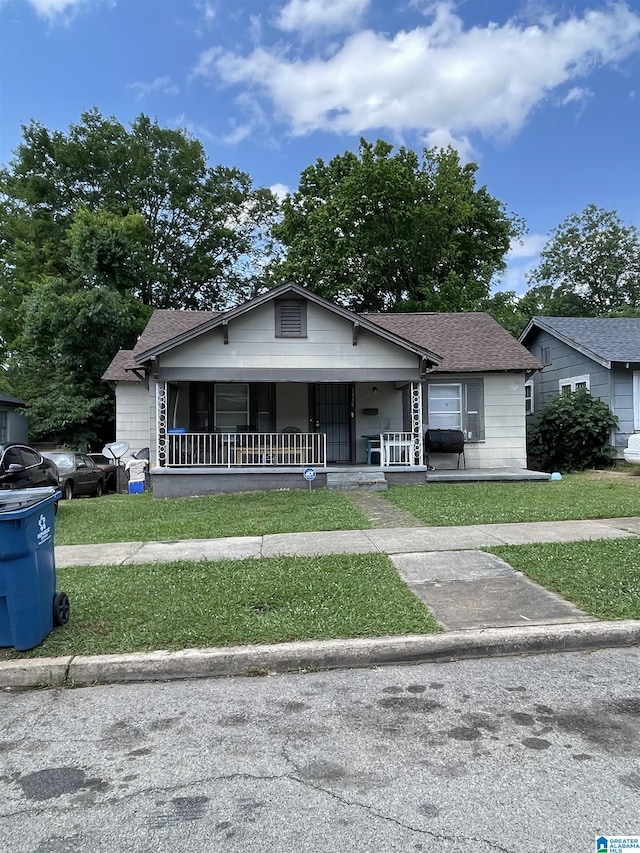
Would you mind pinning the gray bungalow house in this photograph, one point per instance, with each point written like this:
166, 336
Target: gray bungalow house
248, 398
14, 426
600, 354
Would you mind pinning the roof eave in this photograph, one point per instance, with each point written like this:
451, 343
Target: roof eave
275, 293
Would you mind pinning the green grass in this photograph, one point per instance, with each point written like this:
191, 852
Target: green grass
601, 577
197, 605
576, 496
133, 518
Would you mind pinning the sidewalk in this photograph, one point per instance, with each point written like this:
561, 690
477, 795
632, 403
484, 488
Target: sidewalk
484, 607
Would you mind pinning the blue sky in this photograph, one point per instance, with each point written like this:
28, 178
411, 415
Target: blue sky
544, 96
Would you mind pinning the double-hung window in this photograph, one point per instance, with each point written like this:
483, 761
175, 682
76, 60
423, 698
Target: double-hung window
231, 405
573, 383
457, 405
528, 397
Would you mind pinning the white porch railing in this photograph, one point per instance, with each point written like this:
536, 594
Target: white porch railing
398, 448
246, 449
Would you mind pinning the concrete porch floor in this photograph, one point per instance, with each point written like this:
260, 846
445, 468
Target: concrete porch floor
485, 475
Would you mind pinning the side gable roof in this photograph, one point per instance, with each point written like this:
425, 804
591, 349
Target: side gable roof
603, 339
168, 329
14, 402
467, 342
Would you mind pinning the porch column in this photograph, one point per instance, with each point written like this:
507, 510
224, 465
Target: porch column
161, 423
416, 422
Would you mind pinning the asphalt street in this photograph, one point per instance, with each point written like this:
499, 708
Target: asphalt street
511, 754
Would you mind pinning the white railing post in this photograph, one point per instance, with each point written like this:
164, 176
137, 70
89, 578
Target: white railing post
416, 423
161, 423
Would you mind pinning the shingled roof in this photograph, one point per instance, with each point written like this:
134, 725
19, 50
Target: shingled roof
467, 342
117, 370
607, 339
166, 324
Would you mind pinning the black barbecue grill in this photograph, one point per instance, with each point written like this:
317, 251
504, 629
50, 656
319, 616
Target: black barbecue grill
444, 441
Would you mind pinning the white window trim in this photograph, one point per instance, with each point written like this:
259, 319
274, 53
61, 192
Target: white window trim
572, 381
433, 389
636, 400
529, 384
465, 413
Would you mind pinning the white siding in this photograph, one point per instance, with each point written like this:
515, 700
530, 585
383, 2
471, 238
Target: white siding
135, 416
505, 442
252, 344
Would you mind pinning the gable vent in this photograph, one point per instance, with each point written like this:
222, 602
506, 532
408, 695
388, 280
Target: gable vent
291, 318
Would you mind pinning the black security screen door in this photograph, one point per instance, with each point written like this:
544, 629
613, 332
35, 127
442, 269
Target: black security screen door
332, 407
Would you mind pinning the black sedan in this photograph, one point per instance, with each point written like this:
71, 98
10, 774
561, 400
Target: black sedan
22, 467
78, 474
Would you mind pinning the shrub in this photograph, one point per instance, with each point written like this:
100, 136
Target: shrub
571, 433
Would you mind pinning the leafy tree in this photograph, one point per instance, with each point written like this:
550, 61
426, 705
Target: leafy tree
381, 231
193, 223
68, 339
505, 307
96, 224
590, 266
571, 433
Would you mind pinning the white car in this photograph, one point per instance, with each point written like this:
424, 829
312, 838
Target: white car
632, 450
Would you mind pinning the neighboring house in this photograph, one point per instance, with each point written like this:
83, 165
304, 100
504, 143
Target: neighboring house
600, 354
248, 397
14, 426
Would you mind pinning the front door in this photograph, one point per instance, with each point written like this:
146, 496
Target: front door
332, 414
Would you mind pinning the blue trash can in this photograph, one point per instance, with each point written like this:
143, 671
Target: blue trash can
29, 604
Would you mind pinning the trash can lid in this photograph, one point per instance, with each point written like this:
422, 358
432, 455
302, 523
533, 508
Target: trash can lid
16, 499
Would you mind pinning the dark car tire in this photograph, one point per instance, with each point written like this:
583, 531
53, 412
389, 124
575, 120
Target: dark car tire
61, 608
98, 491
67, 490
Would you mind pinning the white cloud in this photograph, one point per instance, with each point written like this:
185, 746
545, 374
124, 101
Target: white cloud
280, 190
577, 93
441, 137
238, 133
159, 84
50, 8
309, 16
208, 12
528, 246
439, 78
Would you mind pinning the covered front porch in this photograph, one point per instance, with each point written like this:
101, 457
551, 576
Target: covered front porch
281, 425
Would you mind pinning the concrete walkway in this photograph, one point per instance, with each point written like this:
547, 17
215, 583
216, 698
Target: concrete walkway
484, 607
464, 588
396, 540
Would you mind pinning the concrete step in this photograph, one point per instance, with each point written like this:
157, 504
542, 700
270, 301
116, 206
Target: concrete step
373, 481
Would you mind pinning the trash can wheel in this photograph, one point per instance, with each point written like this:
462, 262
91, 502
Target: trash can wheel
61, 608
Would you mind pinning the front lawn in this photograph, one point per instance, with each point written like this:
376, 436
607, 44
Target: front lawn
140, 518
601, 577
198, 605
576, 496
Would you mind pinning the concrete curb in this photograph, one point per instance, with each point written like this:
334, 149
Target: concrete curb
317, 655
